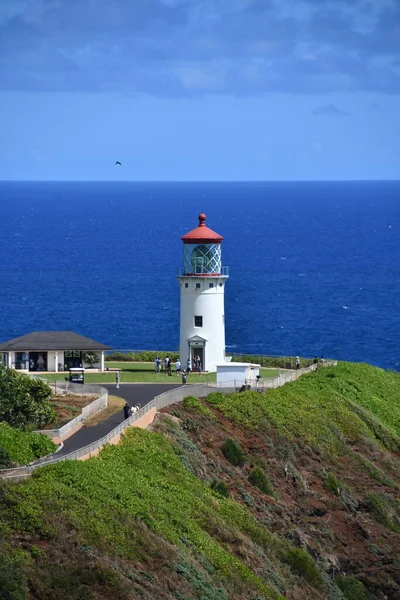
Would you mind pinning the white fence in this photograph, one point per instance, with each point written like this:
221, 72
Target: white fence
284, 377
100, 403
163, 400
66, 387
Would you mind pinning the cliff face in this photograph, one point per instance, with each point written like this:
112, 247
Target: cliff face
289, 494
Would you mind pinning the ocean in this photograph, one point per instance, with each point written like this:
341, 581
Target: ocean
314, 267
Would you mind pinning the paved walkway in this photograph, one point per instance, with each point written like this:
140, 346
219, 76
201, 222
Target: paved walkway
133, 393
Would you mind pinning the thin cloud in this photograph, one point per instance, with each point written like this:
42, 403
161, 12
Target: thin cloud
330, 110
193, 47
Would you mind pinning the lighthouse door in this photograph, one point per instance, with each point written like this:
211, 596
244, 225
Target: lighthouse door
197, 357
197, 352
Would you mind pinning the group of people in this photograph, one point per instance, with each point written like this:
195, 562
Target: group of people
162, 365
130, 410
315, 361
196, 364
166, 366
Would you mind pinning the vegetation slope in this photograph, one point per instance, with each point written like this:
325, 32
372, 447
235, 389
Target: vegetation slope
288, 494
25, 404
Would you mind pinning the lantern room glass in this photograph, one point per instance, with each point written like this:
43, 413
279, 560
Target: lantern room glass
204, 259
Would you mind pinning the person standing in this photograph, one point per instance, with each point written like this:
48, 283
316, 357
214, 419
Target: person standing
127, 411
183, 379
117, 378
297, 362
178, 367
188, 365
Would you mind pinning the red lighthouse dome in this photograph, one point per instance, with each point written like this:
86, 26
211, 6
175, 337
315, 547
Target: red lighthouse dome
202, 234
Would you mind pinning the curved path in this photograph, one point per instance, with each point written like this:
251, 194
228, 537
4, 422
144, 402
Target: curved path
133, 393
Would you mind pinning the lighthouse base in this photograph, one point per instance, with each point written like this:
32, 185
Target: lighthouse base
200, 353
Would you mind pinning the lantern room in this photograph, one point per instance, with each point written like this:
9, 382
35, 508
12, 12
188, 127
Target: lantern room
202, 251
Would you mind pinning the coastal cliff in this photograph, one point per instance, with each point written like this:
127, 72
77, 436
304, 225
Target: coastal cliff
290, 494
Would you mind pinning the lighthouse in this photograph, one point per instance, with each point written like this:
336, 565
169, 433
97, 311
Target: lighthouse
202, 281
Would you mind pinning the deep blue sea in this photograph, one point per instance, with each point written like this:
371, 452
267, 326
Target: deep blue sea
314, 267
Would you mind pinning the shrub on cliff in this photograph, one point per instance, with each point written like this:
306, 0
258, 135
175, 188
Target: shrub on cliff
193, 404
5, 459
302, 564
13, 584
215, 398
220, 488
351, 588
24, 401
233, 452
22, 447
260, 480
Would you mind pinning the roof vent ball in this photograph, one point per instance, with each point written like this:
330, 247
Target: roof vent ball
202, 219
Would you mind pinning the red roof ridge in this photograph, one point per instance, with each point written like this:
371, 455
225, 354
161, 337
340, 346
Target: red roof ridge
202, 233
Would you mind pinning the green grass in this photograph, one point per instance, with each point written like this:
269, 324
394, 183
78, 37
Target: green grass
135, 372
141, 478
327, 408
264, 373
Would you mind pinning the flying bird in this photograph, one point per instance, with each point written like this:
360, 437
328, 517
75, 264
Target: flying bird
117, 162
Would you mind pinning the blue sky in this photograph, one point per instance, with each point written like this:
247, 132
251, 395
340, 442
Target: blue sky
199, 89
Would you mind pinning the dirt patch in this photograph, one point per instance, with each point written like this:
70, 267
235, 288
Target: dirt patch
67, 408
115, 404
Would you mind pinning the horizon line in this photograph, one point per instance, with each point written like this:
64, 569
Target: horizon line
198, 180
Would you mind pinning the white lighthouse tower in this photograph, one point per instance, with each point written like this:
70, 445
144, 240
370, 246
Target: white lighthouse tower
202, 281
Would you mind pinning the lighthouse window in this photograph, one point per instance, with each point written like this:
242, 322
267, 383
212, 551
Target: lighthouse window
186, 285
221, 284
198, 321
210, 285
197, 286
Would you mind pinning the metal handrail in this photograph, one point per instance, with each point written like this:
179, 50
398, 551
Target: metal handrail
202, 272
162, 401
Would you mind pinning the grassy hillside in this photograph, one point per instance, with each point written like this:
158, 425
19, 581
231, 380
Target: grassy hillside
289, 494
330, 408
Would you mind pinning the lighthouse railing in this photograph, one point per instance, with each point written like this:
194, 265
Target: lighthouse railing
200, 271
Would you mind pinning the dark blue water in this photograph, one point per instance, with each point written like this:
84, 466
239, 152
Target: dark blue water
314, 267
